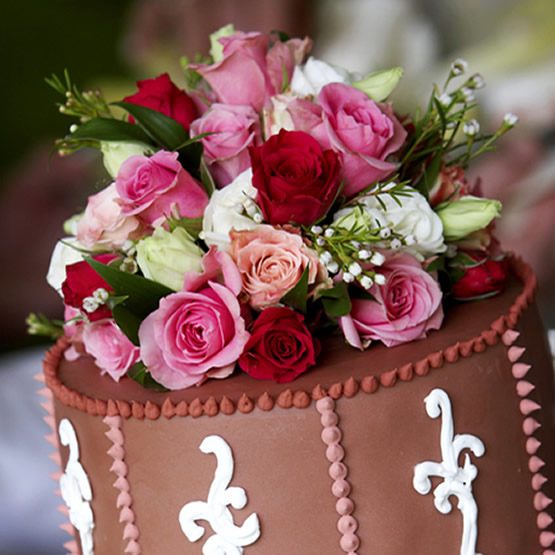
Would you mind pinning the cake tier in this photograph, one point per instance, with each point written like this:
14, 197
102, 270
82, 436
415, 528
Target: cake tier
329, 461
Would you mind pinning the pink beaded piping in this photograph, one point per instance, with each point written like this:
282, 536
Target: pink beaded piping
331, 436
124, 500
70, 546
530, 425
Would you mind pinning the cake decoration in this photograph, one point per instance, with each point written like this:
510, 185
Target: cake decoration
124, 501
457, 480
535, 464
338, 471
76, 489
228, 538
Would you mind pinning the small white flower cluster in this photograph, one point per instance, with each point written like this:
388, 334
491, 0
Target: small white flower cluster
471, 128
350, 267
96, 300
129, 264
251, 209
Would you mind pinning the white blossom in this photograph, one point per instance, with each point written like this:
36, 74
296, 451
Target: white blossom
221, 214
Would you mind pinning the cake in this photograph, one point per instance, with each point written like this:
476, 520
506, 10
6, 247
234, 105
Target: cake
289, 327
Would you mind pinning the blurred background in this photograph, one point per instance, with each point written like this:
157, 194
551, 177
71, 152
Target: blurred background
111, 44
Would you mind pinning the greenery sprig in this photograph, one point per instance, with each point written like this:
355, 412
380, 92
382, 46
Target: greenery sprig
84, 105
446, 134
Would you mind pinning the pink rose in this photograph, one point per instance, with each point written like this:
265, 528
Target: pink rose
234, 129
240, 77
199, 332
364, 132
404, 309
151, 187
251, 71
103, 222
271, 262
112, 350
282, 59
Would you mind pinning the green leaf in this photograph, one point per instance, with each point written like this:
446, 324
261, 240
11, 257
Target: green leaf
106, 129
128, 322
196, 139
139, 373
336, 300
163, 130
192, 225
206, 178
282, 36
143, 295
297, 296
437, 265
190, 157
430, 174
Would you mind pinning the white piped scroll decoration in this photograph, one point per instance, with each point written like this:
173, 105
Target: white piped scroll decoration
76, 489
457, 480
228, 539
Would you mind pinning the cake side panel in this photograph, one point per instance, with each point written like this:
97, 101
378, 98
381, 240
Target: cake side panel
93, 456
279, 460
385, 434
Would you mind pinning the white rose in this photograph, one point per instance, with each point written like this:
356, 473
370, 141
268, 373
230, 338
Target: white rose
315, 74
277, 117
414, 218
226, 211
63, 255
115, 153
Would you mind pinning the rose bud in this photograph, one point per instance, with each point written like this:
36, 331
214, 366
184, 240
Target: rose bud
165, 257
467, 215
485, 279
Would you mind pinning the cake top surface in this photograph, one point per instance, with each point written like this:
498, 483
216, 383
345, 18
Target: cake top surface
267, 200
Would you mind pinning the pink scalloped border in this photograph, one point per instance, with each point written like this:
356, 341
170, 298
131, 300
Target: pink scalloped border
530, 425
52, 438
290, 398
331, 436
119, 468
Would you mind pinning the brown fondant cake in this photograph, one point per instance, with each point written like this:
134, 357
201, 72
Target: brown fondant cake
348, 458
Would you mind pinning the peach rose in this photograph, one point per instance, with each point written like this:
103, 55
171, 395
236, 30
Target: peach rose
271, 262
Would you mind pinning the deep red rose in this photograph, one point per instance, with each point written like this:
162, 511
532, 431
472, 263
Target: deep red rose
297, 181
162, 95
82, 281
485, 279
280, 347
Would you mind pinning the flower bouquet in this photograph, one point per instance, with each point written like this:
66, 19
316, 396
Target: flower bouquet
274, 199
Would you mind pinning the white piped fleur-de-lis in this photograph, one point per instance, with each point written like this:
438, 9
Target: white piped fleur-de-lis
76, 489
228, 539
457, 480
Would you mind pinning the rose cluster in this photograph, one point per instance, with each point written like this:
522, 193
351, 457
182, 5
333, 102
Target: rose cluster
271, 198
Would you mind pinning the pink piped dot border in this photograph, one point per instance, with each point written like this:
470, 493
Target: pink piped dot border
347, 524
530, 425
124, 500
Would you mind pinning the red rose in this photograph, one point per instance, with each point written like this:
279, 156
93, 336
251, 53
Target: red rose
485, 279
280, 347
162, 95
296, 180
81, 282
